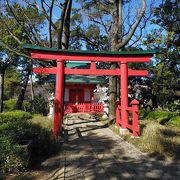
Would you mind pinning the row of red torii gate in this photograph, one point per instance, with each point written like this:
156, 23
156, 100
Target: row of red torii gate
123, 58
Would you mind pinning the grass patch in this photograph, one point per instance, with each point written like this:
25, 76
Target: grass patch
159, 134
43, 121
174, 121
158, 140
161, 116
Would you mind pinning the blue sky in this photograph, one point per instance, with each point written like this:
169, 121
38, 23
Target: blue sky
135, 4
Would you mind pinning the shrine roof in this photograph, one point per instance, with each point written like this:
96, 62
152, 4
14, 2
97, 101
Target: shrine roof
81, 79
78, 65
31, 47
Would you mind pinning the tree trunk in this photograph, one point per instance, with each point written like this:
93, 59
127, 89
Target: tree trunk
2, 72
112, 94
32, 91
116, 38
66, 26
20, 100
118, 88
154, 101
32, 88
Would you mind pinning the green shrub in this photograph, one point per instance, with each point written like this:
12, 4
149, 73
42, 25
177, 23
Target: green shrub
174, 121
40, 105
27, 106
15, 129
174, 106
142, 114
161, 116
14, 116
10, 156
43, 142
18, 130
9, 104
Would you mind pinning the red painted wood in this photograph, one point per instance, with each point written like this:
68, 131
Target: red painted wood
76, 95
45, 70
124, 94
98, 58
84, 107
59, 110
105, 72
133, 126
93, 65
92, 95
90, 71
80, 95
72, 95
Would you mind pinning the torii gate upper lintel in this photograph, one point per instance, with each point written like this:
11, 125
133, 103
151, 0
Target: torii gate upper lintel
60, 56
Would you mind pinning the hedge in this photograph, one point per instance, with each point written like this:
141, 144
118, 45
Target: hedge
14, 116
15, 128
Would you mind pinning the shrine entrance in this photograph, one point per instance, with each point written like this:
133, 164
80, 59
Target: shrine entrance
123, 58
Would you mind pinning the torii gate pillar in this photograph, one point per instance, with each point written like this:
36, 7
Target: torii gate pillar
58, 113
124, 94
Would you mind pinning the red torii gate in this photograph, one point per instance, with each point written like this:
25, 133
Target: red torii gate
60, 56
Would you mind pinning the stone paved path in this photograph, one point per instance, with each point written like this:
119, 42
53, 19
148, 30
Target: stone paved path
92, 151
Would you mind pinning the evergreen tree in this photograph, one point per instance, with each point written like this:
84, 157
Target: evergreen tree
110, 25
165, 69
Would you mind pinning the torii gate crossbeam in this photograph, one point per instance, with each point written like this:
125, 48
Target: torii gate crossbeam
60, 56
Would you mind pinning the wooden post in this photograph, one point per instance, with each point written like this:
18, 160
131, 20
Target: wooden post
124, 94
135, 127
118, 116
58, 110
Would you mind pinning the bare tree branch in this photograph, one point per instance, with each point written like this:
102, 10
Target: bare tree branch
15, 51
102, 22
133, 27
46, 15
141, 31
50, 23
46, 4
86, 39
61, 22
66, 25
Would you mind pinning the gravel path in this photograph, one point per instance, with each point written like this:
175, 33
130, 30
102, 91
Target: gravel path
92, 151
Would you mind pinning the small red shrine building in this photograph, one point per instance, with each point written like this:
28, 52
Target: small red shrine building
79, 91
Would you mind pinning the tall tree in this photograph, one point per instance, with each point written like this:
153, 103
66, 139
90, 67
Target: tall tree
12, 81
121, 26
165, 70
27, 23
4, 63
